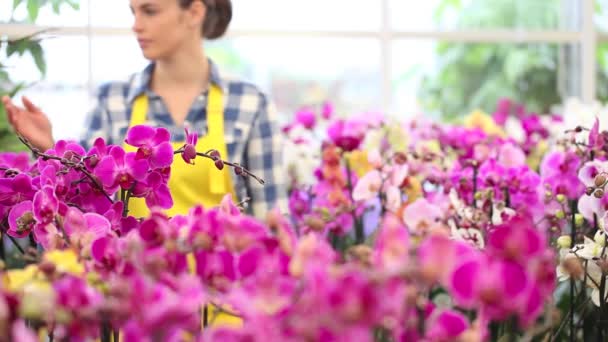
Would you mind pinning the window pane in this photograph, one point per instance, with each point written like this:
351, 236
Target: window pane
496, 14
602, 80
66, 17
601, 15
66, 107
307, 15
63, 93
307, 71
111, 13
452, 79
66, 62
269, 14
115, 58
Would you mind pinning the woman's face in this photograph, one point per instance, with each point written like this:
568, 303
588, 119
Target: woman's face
163, 27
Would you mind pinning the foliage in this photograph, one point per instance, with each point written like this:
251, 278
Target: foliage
472, 76
22, 46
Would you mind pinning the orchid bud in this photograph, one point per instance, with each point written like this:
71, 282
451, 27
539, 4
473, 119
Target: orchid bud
579, 220
600, 238
400, 158
564, 241
189, 153
573, 267
215, 154
560, 198
69, 155
560, 214
239, 170
93, 161
315, 223
600, 180
47, 267
599, 193
219, 164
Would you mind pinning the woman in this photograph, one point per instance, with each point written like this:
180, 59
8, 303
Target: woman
182, 88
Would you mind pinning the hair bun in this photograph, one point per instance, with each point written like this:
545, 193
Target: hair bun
219, 14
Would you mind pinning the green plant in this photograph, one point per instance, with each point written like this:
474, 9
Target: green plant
20, 46
471, 76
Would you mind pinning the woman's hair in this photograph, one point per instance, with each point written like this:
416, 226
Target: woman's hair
219, 14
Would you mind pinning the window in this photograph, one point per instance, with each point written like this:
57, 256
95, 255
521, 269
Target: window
402, 57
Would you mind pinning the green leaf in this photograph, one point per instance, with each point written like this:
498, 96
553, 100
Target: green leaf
4, 76
38, 55
516, 63
16, 3
17, 46
17, 88
33, 6
56, 6
74, 4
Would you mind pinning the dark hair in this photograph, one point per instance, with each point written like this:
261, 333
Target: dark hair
219, 14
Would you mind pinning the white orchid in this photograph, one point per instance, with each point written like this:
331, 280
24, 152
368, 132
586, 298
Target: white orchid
588, 254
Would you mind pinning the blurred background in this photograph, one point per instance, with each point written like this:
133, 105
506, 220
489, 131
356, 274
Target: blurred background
438, 58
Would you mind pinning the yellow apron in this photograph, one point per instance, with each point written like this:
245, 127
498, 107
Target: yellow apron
201, 183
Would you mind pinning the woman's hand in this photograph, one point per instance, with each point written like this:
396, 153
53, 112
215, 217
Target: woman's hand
30, 122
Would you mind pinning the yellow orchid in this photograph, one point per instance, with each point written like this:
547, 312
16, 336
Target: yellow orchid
66, 261
479, 119
534, 159
37, 301
397, 137
358, 162
16, 279
413, 189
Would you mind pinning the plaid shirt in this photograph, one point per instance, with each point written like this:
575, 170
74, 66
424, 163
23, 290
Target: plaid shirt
251, 128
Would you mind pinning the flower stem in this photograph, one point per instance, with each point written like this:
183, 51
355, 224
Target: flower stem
359, 238
572, 281
475, 177
78, 166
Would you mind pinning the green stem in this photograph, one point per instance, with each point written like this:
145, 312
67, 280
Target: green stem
573, 208
359, 237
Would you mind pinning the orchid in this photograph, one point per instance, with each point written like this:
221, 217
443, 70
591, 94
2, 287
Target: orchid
396, 230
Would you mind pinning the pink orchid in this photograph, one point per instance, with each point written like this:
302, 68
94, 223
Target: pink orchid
392, 245
368, 186
422, 216
306, 118
347, 134
122, 169
153, 144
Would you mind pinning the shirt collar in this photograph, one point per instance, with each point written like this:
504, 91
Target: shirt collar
141, 81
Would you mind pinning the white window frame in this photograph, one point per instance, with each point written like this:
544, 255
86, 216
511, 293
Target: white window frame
587, 38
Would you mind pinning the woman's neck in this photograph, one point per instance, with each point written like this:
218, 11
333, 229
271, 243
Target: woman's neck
183, 69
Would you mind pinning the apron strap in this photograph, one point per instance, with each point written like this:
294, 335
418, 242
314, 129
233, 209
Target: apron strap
139, 111
218, 181
215, 111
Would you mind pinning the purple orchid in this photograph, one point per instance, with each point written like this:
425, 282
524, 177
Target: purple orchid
153, 144
347, 134
122, 169
306, 118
